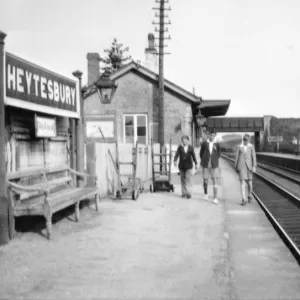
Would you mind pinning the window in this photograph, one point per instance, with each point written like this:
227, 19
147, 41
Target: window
135, 129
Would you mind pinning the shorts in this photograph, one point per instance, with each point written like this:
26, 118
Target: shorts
210, 172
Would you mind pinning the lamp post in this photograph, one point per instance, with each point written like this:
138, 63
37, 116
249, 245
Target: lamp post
80, 132
201, 120
4, 208
105, 87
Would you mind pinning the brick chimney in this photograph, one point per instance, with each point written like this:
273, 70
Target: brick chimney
93, 60
151, 57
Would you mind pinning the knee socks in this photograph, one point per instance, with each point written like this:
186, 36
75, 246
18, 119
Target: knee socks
215, 191
205, 187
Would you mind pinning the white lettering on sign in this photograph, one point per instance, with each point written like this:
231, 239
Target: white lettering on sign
28, 81
11, 77
36, 79
56, 91
62, 92
73, 94
45, 127
68, 95
275, 139
50, 89
20, 74
43, 83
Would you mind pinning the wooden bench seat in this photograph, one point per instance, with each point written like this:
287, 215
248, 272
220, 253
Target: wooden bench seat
47, 191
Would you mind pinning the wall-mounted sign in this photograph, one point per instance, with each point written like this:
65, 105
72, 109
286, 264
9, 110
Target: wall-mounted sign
45, 127
275, 139
106, 126
32, 87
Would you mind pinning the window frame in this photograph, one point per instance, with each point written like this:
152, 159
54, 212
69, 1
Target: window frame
135, 126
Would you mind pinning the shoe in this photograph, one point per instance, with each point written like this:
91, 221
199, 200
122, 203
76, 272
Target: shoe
243, 202
215, 201
189, 196
205, 197
249, 199
183, 196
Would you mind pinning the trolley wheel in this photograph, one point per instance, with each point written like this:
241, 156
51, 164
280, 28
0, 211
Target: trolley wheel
172, 188
118, 195
135, 195
151, 188
142, 188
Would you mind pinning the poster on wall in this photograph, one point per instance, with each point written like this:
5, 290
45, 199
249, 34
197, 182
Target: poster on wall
107, 127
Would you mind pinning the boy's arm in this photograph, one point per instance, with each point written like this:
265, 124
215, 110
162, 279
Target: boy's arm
236, 157
194, 156
202, 150
176, 155
254, 159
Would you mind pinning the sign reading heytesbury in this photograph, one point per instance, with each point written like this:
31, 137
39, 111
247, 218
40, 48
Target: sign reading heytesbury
32, 87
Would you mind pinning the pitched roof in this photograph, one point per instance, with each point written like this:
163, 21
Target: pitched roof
213, 108
133, 66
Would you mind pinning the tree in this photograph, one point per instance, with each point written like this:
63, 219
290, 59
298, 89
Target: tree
116, 56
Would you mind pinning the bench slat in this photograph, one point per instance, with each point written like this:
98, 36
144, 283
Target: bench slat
57, 201
59, 181
34, 172
21, 174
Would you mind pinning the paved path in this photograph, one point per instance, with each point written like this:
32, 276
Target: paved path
160, 247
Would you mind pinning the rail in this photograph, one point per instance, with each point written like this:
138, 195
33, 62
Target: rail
281, 207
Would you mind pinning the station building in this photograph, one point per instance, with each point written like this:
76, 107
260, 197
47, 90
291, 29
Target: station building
132, 114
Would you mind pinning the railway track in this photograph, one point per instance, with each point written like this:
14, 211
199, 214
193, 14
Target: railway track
281, 207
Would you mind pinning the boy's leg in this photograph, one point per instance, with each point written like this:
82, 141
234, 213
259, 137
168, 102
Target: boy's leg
215, 187
243, 186
250, 189
183, 182
189, 185
205, 182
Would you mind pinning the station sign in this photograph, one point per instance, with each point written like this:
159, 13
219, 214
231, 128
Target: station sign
275, 139
32, 87
45, 127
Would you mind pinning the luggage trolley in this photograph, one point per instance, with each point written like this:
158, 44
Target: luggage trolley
133, 186
161, 179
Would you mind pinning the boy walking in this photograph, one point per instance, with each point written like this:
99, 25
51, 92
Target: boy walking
245, 165
186, 155
210, 154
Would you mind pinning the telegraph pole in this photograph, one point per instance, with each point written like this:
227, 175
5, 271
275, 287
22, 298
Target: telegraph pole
161, 31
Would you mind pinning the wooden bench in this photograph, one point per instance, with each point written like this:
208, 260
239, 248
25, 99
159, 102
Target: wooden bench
46, 191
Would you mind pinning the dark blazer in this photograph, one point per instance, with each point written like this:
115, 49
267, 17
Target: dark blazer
205, 155
185, 159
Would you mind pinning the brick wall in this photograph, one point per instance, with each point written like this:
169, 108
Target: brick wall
135, 94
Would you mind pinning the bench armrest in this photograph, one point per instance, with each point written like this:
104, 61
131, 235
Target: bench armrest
26, 188
79, 174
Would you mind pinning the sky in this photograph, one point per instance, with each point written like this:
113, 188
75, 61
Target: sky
246, 51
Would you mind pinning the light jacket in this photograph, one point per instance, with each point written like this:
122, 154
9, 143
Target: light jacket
245, 159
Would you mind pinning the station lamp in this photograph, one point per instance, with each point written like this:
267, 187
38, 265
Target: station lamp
200, 119
105, 87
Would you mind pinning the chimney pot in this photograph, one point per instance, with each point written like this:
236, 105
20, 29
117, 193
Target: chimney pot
93, 67
151, 59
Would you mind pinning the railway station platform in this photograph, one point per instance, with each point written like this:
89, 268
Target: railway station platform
283, 155
158, 247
